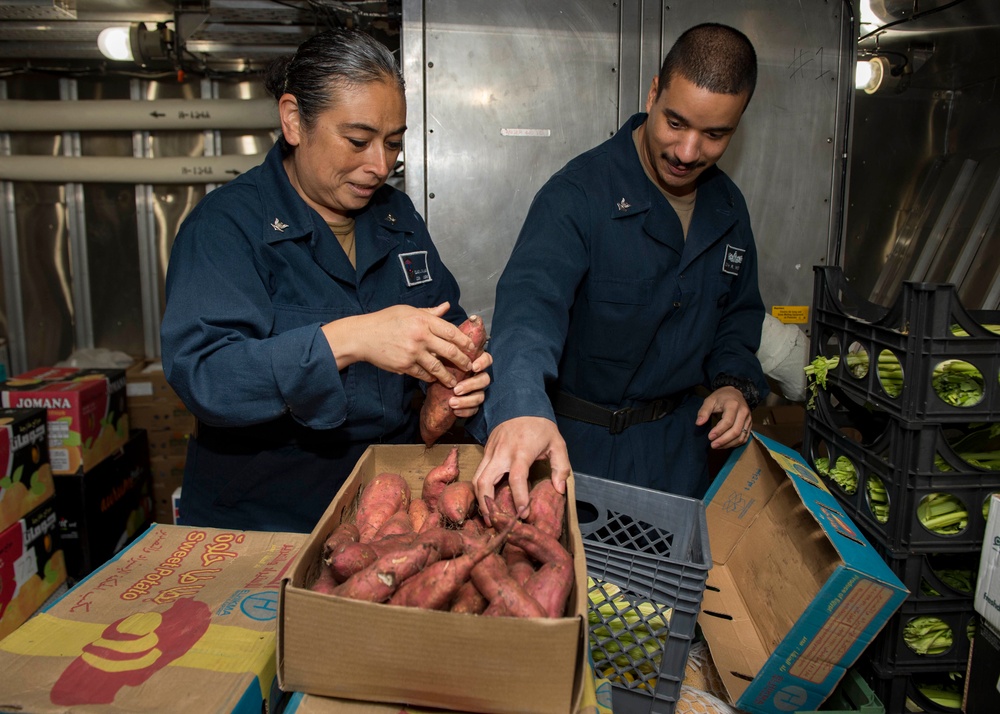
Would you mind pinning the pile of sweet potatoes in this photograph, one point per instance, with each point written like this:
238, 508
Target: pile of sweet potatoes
436, 552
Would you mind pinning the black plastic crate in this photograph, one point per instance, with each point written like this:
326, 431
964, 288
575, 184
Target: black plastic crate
891, 653
913, 463
917, 330
928, 576
651, 550
895, 688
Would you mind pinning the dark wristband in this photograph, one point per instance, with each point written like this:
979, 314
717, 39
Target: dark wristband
747, 388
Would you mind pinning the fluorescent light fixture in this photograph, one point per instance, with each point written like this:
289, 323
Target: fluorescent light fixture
114, 43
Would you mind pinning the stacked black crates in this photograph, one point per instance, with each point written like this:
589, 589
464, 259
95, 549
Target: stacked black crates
893, 444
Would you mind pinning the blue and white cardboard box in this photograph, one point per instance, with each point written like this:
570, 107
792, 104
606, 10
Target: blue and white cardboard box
795, 593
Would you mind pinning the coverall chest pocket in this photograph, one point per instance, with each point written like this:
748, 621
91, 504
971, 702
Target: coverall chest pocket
619, 316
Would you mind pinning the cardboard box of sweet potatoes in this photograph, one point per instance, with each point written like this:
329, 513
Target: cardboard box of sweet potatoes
333, 646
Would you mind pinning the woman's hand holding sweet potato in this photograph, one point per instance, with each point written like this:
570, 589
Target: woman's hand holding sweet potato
404, 340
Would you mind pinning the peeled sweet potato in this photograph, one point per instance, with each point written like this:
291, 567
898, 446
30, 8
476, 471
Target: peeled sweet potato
439, 477
382, 497
436, 417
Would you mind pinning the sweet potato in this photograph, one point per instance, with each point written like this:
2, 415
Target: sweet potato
551, 585
436, 587
439, 477
547, 508
383, 496
342, 535
419, 511
325, 582
352, 558
456, 502
448, 543
392, 543
436, 417
379, 581
468, 600
398, 524
495, 583
533, 540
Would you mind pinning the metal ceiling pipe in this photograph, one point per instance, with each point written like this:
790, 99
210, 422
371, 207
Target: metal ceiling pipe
112, 169
129, 115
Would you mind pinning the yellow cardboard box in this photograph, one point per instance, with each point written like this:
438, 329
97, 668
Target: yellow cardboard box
181, 621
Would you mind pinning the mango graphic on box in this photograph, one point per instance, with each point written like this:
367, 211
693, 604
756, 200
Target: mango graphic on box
130, 651
25, 475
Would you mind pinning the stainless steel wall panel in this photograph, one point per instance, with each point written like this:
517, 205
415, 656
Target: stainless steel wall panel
788, 154
476, 68
511, 92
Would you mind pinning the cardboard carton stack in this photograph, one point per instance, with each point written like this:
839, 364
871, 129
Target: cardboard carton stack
901, 432
31, 561
100, 467
154, 406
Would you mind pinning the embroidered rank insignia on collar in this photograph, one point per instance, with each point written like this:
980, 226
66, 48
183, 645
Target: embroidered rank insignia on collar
733, 261
415, 270
624, 205
279, 226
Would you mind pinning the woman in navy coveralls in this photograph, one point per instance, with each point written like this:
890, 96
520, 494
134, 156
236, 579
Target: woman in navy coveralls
306, 300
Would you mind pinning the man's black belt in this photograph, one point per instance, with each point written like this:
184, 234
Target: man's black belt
616, 420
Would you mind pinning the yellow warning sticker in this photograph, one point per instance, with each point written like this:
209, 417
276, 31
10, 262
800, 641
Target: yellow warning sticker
791, 314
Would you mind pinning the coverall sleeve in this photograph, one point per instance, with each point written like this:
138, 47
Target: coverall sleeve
534, 296
218, 349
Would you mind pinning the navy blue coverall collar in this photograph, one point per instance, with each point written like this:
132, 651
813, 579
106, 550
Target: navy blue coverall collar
714, 208
293, 219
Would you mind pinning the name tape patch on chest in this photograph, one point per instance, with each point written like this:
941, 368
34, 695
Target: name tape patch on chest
733, 260
415, 268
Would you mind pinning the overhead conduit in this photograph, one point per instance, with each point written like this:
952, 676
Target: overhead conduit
113, 169
129, 115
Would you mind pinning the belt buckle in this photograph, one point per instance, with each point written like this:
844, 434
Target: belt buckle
660, 409
619, 420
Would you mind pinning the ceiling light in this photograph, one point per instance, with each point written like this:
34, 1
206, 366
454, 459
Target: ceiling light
870, 74
113, 42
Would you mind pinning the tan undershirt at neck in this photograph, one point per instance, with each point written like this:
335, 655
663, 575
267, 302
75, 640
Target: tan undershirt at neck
345, 236
682, 205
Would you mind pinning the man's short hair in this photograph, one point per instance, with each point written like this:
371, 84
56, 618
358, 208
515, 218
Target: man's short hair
715, 57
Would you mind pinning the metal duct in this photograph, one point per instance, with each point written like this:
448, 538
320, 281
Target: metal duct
108, 169
128, 115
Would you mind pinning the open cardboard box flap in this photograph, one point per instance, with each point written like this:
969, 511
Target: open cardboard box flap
795, 593
336, 647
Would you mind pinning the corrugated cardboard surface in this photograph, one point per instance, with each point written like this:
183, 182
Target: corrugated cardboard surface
796, 592
181, 621
987, 599
335, 647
